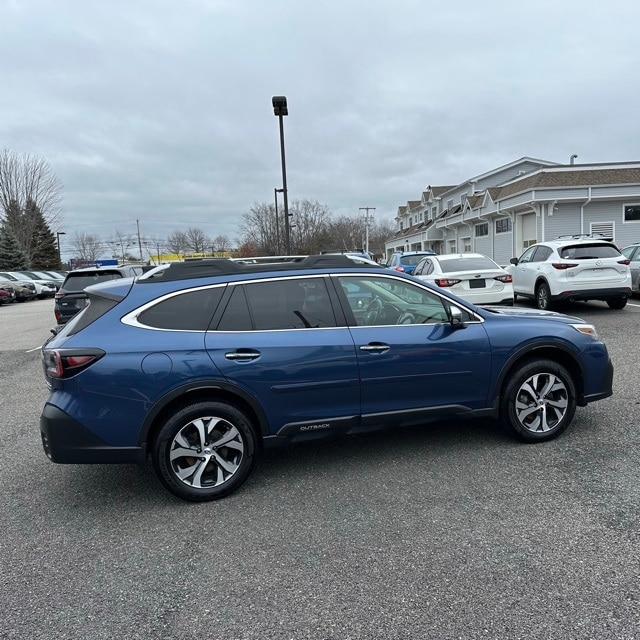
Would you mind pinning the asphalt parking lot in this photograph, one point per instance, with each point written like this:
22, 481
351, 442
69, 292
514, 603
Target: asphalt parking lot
442, 531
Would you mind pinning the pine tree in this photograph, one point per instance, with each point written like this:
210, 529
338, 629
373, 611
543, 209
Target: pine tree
45, 252
12, 257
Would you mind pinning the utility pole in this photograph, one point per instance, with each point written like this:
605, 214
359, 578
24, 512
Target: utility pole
366, 225
139, 242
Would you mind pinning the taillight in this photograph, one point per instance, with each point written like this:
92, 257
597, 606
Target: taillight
564, 265
400, 268
506, 278
64, 363
446, 282
58, 295
626, 261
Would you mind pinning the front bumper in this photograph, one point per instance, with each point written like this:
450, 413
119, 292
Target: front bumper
66, 441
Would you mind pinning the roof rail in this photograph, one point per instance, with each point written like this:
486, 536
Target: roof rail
208, 267
577, 236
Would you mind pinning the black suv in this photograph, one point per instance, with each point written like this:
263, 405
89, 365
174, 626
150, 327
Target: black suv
71, 296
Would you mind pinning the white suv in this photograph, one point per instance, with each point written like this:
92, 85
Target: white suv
572, 268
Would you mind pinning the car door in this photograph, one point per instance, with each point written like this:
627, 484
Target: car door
412, 361
279, 340
529, 266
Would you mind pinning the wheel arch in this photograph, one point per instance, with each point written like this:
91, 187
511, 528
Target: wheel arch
545, 351
202, 392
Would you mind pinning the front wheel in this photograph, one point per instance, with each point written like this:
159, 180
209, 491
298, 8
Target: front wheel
618, 303
204, 451
539, 401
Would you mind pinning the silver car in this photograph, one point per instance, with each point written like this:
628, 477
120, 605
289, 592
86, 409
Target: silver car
632, 252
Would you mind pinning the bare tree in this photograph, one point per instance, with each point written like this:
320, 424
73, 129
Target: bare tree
120, 243
197, 240
310, 225
86, 246
258, 228
177, 242
29, 193
221, 244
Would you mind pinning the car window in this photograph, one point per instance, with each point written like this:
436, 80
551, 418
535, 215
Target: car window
467, 264
292, 303
627, 252
189, 311
393, 301
80, 281
589, 251
527, 255
411, 260
541, 253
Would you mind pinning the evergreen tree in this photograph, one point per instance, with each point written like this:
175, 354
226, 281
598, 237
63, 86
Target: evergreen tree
11, 255
45, 251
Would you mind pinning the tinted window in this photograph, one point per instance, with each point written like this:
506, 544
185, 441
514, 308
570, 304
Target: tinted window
541, 253
467, 264
589, 251
411, 260
300, 303
236, 315
189, 311
80, 281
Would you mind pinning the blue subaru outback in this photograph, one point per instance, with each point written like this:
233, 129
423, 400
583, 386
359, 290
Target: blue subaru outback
201, 364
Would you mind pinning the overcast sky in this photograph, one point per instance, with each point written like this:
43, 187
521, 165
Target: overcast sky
160, 111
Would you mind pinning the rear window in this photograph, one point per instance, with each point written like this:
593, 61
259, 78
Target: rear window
411, 260
589, 251
467, 264
80, 281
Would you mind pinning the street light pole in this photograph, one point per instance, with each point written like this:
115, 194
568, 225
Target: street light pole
280, 109
58, 234
275, 197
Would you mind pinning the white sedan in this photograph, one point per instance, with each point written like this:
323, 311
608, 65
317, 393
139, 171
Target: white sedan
471, 276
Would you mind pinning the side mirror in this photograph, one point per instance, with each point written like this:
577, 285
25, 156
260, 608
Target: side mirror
455, 314
514, 261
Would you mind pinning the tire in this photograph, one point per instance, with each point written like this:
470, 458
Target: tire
543, 296
617, 303
539, 401
195, 467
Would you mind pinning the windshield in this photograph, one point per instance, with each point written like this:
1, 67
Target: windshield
589, 251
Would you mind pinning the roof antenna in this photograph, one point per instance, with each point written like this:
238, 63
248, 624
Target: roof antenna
572, 158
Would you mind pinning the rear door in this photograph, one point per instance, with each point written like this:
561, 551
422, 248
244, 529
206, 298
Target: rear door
282, 341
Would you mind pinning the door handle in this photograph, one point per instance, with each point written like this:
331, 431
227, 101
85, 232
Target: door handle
242, 355
375, 347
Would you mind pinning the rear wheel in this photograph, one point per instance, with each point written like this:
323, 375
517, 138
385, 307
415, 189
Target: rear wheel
539, 401
543, 297
204, 451
618, 303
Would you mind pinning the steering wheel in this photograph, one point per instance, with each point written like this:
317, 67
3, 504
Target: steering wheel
373, 311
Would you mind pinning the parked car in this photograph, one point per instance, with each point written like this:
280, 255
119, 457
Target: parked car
405, 262
572, 268
24, 289
7, 293
632, 253
56, 278
472, 276
45, 288
71, 296
201, 364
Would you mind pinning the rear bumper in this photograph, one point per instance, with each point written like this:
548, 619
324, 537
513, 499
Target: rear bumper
594, 294
66, 441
